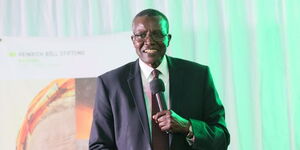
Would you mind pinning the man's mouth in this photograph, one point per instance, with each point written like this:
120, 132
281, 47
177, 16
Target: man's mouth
150, 51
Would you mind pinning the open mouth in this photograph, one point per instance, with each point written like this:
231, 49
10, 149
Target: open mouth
150, 51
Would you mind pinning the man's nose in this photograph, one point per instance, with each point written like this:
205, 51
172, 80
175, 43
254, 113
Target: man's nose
148, 39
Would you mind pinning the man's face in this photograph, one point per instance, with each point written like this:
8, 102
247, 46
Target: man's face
150, 39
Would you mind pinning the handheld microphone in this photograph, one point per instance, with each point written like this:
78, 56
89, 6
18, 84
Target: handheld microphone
157, 87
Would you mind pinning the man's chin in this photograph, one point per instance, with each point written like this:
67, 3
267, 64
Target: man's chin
152, 61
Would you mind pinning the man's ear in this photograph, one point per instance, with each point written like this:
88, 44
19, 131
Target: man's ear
169, 39
131, 38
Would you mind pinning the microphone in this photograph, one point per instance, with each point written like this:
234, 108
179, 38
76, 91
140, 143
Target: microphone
157, 87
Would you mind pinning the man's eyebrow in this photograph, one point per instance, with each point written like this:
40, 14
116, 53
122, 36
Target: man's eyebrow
140, 32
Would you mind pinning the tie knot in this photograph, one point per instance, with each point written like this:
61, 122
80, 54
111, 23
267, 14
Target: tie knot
155, 73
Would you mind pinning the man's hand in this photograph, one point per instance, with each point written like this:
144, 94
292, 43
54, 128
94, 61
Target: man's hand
169, 121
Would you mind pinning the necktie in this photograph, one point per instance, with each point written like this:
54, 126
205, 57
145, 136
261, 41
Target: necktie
160, 140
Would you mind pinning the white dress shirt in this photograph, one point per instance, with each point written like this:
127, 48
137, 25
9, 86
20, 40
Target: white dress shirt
147, 78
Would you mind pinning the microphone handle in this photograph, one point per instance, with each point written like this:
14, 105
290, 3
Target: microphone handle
160, 100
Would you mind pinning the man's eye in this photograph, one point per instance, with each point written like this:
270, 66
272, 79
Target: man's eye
142, 35
157, 34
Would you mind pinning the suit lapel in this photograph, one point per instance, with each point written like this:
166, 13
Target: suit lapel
176, 80
135, 84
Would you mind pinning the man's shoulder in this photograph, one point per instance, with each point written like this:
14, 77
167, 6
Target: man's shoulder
121, 71
186, 64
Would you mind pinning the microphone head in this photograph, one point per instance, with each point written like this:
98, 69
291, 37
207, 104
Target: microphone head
157, 85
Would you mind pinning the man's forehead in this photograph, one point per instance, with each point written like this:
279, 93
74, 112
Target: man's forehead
148, 19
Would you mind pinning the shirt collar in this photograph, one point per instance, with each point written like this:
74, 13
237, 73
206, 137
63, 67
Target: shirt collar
146, 70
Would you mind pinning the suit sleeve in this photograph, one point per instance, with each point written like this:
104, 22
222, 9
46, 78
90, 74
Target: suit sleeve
102, 131
210, 133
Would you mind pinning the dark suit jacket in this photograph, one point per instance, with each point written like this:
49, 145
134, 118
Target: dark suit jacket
120, 116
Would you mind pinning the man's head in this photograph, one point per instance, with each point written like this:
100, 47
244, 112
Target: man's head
150, 36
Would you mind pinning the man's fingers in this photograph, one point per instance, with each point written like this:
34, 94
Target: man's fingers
159, 114
164, 126
169, 121
164, 118
164, 122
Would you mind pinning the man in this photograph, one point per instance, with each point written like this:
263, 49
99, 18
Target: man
124, 116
